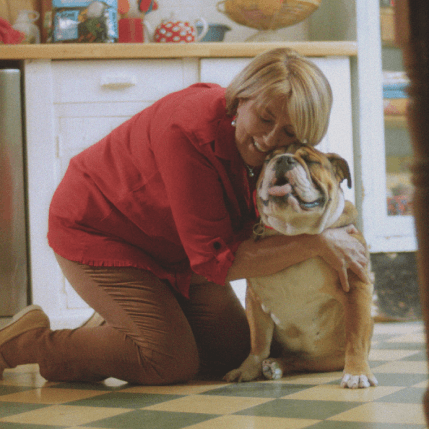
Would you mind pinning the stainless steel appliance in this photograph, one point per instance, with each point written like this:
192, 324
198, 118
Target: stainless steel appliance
13, 235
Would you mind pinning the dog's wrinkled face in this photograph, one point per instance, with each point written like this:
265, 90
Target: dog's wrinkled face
299, 191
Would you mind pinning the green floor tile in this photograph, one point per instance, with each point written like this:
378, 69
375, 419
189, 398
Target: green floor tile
356, 425
297, 409
11, 408
259, 390
123, 400
394, 379
141, 419
411, 395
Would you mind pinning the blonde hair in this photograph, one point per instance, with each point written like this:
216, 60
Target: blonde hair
284, 73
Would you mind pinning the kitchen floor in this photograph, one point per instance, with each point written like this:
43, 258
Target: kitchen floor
316, 401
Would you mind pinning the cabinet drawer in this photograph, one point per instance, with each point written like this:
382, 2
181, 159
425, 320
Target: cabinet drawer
116, 80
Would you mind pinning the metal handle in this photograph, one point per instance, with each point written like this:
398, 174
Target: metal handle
118, 81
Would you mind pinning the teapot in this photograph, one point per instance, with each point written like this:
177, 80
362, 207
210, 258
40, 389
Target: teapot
25, 23
177, 31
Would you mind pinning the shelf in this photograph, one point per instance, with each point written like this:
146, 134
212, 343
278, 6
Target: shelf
168, 50
395, 121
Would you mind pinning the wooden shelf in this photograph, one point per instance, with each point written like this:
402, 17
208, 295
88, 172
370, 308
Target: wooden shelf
75, 51
395, 121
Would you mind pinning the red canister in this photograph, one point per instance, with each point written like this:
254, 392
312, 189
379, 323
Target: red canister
131, 30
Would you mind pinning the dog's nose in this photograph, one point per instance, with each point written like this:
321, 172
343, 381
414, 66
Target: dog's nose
284, 164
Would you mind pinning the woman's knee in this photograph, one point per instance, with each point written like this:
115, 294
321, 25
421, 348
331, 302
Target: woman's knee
176, 366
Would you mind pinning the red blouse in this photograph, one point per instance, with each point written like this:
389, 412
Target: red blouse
166, 191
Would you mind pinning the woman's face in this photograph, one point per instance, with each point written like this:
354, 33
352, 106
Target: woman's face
261, 129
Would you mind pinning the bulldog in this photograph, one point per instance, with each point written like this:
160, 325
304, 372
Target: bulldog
303, 309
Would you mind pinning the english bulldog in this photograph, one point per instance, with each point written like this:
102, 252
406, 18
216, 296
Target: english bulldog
318, 326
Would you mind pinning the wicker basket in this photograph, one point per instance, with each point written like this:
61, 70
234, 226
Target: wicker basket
268, 14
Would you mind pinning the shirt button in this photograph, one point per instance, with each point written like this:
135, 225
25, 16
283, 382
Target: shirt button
217, 245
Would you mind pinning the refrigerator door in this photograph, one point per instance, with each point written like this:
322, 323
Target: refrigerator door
13, 235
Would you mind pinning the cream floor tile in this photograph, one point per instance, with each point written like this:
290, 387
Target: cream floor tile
185, 389
379, 412
208, 404
397, 328
337, 393
405, 367
379, 354
321, 378
63, 415
251, 422
50, 396
417, 337
423, 384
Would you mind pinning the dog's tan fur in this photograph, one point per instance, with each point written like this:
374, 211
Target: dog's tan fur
318, 325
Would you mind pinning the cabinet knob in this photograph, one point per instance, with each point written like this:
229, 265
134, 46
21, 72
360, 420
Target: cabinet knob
118, 81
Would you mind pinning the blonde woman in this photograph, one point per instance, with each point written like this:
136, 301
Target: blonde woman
150, 225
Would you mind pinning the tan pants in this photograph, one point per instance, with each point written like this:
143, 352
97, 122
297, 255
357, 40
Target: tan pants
152, 335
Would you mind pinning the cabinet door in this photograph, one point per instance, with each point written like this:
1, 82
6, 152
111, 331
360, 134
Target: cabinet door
78, 127
339, 136
70, 105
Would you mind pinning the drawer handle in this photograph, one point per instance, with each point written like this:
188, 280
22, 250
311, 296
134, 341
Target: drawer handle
118, 81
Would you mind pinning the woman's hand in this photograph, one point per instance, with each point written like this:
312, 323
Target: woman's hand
342, 251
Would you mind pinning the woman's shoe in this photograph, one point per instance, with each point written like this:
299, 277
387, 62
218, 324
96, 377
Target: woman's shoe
31, 317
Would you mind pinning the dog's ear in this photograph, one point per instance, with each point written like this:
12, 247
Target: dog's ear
341, 168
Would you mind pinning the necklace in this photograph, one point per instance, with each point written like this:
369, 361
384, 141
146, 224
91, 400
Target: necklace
250, 171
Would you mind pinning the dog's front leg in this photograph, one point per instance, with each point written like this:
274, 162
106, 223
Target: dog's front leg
359, 325
261, 334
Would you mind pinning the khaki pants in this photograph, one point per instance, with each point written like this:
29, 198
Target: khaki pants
152, 335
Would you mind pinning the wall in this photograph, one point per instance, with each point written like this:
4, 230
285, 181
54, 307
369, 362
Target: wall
9, 8
189, 9
193, 9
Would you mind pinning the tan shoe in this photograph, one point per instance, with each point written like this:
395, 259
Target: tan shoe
31, 317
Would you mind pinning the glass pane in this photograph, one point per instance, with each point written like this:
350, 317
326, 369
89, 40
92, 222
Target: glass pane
397, 141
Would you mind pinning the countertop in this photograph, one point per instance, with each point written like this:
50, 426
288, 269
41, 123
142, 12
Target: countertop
168, 50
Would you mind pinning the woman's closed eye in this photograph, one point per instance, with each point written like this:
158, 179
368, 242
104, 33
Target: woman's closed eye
288, 132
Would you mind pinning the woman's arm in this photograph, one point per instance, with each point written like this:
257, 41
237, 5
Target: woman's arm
272, 254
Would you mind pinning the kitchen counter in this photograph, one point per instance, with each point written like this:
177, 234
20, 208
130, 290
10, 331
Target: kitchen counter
168, 50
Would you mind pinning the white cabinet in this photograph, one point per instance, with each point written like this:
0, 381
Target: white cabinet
70, 105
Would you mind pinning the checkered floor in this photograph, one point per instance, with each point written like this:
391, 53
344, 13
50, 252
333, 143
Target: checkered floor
315, 401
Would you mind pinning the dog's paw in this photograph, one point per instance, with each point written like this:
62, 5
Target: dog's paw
242, 374
358, 381
271, 370
234, 375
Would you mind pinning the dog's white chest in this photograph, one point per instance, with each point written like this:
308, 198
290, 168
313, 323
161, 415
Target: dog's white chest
300, 304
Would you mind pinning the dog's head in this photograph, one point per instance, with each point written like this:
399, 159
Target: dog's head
298, 190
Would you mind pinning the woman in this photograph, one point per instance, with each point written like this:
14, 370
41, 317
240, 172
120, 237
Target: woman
150, 224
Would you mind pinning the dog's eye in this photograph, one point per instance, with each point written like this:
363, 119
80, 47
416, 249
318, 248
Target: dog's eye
312, 162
